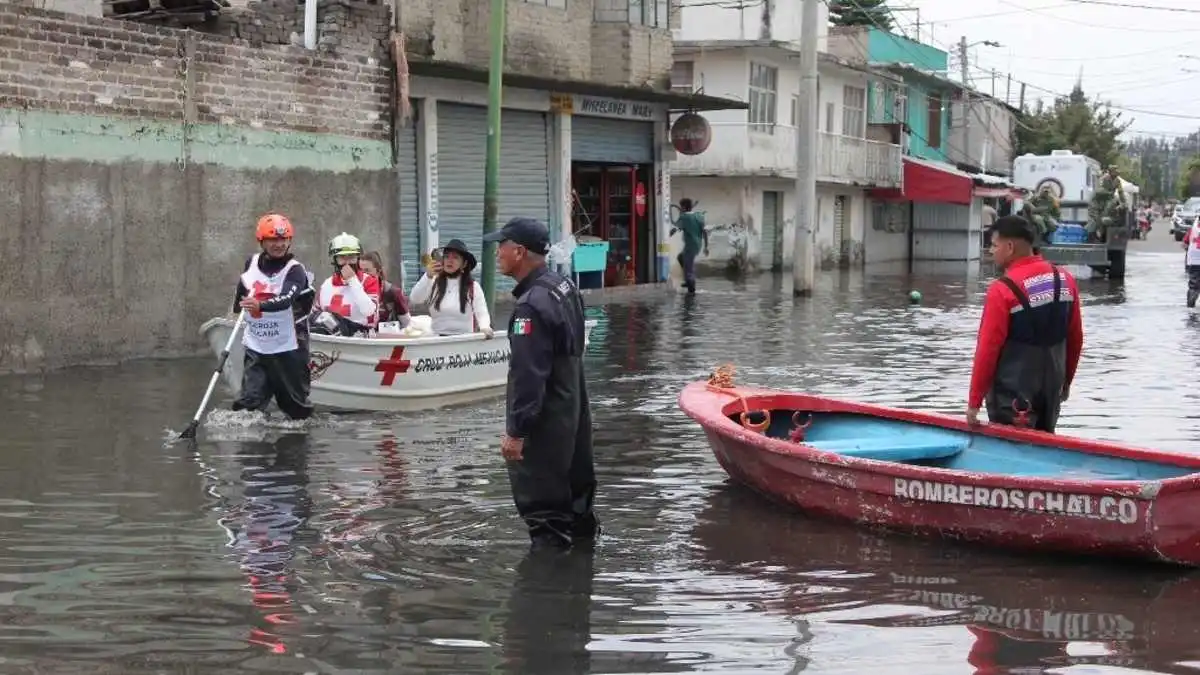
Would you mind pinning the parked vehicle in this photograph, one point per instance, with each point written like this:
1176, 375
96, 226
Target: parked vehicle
1073, 179
1184, 217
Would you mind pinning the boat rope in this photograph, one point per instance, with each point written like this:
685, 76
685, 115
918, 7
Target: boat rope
721, 380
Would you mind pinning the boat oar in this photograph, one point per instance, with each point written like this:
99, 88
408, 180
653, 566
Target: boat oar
190, 431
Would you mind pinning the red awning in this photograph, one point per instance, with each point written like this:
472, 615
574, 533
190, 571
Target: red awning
928, 182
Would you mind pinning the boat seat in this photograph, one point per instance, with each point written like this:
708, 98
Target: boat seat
893, 449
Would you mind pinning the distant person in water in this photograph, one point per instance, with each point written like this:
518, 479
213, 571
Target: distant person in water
1030, 336
694, 235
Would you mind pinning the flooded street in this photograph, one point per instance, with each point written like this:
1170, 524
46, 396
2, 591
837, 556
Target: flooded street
389, 543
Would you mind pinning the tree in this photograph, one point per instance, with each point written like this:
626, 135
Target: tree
861, 13
1189, 180
1076, 123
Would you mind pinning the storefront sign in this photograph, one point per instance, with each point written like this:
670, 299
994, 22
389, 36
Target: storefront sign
639, 200
1117, 509
612, 107
691, 134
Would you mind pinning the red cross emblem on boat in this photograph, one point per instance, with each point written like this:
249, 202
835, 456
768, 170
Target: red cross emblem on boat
392, 366
260, 293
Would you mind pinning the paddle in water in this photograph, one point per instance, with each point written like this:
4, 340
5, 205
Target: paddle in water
190, 431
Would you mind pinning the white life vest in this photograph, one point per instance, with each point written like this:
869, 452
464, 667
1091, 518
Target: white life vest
341, 300
269, 332
1193, 249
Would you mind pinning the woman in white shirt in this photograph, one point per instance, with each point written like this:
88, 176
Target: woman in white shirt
455, 299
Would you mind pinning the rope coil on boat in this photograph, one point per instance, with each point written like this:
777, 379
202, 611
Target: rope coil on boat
721, 380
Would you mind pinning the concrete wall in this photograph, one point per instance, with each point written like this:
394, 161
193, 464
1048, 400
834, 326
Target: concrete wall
542, 39
138, 159
766, 20
728, 201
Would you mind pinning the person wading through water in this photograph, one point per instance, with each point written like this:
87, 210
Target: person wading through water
548, 426
694, 234
276, 293
1030, 335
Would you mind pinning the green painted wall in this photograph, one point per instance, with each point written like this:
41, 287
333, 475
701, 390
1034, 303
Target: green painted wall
35, 134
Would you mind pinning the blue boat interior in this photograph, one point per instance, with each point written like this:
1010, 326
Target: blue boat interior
864, 436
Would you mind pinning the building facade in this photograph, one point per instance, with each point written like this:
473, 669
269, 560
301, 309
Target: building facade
585, 124
745, 182
937, 213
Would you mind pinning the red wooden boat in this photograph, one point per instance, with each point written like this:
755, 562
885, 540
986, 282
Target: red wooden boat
934, 475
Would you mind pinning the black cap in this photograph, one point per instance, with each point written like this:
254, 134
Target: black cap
527, 232
1013, 227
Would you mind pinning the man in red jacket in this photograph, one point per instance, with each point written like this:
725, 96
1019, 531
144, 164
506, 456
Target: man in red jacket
1030, 336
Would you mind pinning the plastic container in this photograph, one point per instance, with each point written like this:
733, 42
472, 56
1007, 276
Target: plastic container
1069, 233
590, 257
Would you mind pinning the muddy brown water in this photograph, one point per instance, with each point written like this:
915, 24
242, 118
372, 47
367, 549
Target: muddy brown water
388, 543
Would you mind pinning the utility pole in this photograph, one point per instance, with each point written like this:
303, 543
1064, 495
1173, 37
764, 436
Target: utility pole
491, 175
804, 232
966, 97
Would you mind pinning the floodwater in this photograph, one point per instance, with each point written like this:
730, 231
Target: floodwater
388, 544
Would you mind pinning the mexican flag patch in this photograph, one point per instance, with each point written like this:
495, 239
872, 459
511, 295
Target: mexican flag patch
521, 327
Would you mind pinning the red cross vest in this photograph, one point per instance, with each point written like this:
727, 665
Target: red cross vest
268, 332
351, 300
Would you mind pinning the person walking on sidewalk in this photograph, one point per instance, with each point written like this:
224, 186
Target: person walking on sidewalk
694, 234
548, 425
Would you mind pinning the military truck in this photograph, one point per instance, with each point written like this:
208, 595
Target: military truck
1074, 180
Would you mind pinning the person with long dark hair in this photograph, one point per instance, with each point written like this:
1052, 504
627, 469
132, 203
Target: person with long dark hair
393, 305
455, 299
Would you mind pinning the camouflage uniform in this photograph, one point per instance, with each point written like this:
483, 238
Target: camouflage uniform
1043, 213
1108, 206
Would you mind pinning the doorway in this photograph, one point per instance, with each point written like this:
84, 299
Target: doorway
770, 253
612, 202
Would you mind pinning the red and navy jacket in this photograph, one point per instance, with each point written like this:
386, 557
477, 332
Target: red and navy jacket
1032, 318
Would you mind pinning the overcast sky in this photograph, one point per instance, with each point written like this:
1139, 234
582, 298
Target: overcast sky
1130, 55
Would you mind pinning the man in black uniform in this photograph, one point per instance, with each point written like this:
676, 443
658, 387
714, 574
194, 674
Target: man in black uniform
548, 428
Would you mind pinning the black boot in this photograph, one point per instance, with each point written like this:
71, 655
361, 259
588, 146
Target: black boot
1191, 296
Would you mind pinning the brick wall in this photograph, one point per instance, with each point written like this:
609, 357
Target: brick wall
547, 41
344, 27
64, 62
646, 55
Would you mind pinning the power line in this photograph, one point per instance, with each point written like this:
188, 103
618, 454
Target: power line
1158, 8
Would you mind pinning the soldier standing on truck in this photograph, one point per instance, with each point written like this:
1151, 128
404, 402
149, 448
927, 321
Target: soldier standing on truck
1109, 204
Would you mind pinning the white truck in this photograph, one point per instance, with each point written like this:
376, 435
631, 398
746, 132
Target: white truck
1073, 180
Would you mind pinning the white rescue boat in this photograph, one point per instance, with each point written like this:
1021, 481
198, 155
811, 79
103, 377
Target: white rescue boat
390, 373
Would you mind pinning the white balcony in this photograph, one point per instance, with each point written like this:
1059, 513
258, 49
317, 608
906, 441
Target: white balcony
743, 150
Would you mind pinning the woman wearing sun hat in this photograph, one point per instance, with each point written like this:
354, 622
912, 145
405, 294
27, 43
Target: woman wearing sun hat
455, 299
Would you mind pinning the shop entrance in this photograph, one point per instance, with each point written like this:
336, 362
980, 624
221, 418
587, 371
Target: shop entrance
612, 203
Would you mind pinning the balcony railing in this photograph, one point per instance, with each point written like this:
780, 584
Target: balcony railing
756, 150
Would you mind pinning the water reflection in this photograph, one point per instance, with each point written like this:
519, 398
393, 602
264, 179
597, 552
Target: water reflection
1019, 611
389, 543
265, 527
548, 623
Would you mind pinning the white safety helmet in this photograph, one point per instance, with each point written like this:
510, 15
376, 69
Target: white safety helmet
344, 244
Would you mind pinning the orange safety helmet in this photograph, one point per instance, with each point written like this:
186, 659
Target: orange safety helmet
274, 226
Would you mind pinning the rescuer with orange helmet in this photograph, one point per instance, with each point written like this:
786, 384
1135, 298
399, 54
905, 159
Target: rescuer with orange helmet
276, 293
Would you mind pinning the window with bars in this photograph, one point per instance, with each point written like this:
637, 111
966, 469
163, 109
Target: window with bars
683, 77
764, 86
652, 13
561, 4
854, 111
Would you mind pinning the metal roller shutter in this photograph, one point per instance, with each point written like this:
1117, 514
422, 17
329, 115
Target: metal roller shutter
410, 199
524, 172
597, 139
